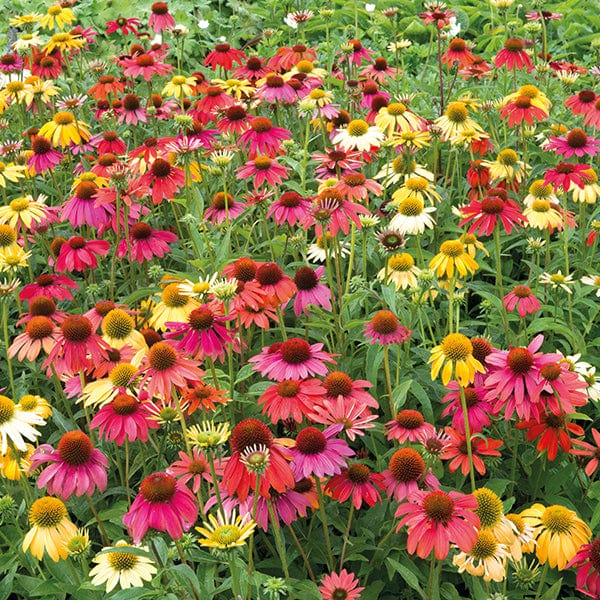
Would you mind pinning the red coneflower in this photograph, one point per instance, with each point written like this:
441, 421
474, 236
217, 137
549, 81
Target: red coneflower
165, 179
291, 398
566, 174
275, 283
513, 56
456, 451
106, 85
146, 65
582, 102
359, 482
522, 109
50, 285
291, 207
79, 254
224, 56
485, 215
263, 137
263, 169
204, 397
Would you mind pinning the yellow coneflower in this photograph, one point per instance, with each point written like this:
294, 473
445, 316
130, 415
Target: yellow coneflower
401, 271
23, 211
472, 244
174, 306
525, 542
64, 42
418, 187
64, 129
452, 257
507, 166
237, 88
486, 559
10, 172
455, 355
35, 404
208, 434
539, 190
410, 139
225, 533
25, 20
179, 86
397, 117
491, 515
541, 214
102, 391
15, 463
401, 169
57, 16
118, 330
456, 120
50, 529
13, 258
559, 533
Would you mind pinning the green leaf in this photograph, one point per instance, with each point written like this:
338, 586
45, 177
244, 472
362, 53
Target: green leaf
553, 592
6, 584
409, 577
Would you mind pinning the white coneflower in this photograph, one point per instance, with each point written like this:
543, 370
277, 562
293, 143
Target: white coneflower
17, 425
359, 135
557, 280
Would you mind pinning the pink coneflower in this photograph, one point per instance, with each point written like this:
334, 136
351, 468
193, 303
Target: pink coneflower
11, 63
216, 100
486, 214
438, 14
291, 207
310, 291
560, 389
263, 169
340, 585
252, 70
204, 335
163, 368
132, 112
42, 306
359, 482
146, 243
513, 56
437, 519
355, 186
575, 143
223, 209
224, 56
522, 299
582, 102
339, 385
192, 468
291, 398
406, 473
77, 347
160, 19
235, 120
513, 378
44, 156
384, 328
275, 283
587, 563
263, 138
250, 435
358, 54
80, 209
379, 71
408, 425
40, 334
478, 409
126, 25
97, 313
111, 142
566, 174
76, 466
457, 453
589, 450
124, 417
79, 254
275, 90
592, 116
353, 415
50, 285
292, 359
164, 504
331, 209
165, 179
145, 65
319, 453
336, 162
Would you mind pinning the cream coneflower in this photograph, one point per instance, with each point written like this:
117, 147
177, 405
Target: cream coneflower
397, 117
539, 190
102, 391
401, 271
17, 425
412, 216
401, 169
491, 514
359, 135
588, 193
507, 166
486, 559
456, 120
455, 355
419, 187
542, 214
50, 529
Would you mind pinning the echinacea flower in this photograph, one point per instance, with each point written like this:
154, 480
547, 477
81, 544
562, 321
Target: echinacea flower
559, 533
455, 355
64, 129
406, 473
457, 453
513, 56
293, 359
51, 286
487, 558
478, 409
384, 328
76, 467
225, 532
50, 529
192, 468
587, 563
452, 258
575, 143
359, 135
557, 281
224, 56
164, 504
566, 174
122, 568
486, 215
589, 450
340, 585
436, 519
291, 399
522, 299
17, 425
359, 482
310, 291
40, 334
145, 243
319, 453
263, 169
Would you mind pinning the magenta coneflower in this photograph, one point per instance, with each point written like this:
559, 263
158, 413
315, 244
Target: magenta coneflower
204, 335
77, 347
160, 19
163, 368
124, 417
437, 519
165, 179
263, 169
131, 111
513, 377
10, 63
408, 425
292, 359
79, 254
146, 243
40, 334
407, 473
235, 120
522, 299
384, 328
319, 453
224, 56
263, 137
340, 585
478, 409
193, 468
76, 466
353, 415
223, 209
310, 291
275, 282
590, 450
359, 482
331, 210
513, 56
487, 213
358, 54
566, 174
587, 563
50, 285
44, 157
575, 143
164, 504
81, 209
560, 389
291, 207
252, 70
336, 161
274, 90
291, 398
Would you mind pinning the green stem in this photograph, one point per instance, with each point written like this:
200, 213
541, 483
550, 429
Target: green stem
278, 540
6, 346
388, 380
325, 523
542, 581
463, 404
346, 536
